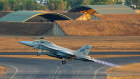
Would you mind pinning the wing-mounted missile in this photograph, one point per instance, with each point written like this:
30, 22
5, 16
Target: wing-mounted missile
39, 38
52, 55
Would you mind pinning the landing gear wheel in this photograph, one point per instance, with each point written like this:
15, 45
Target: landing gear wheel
63, 62
38, 54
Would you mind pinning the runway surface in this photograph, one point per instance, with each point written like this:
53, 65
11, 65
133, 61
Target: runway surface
20, 68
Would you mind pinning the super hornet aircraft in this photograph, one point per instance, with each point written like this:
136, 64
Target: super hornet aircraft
63, 53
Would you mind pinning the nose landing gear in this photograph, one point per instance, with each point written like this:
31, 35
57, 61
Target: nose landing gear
39, 52
63, 62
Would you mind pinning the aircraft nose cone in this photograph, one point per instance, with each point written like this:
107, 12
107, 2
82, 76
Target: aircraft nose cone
28, 43
21, 42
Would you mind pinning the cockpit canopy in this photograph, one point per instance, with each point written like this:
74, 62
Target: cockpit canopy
43, 41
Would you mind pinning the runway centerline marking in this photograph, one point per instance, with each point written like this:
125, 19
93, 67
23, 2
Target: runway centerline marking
14, 68
95, 73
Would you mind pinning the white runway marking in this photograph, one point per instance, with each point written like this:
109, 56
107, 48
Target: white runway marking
14, 68
95, 73
58, 67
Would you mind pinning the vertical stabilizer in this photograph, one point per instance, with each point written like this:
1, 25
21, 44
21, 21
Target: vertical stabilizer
83, 50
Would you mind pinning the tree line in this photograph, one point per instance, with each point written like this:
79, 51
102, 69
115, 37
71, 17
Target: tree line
68, 4
15, 5
133, 3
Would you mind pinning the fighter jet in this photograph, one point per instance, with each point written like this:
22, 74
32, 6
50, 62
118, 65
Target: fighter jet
65, 54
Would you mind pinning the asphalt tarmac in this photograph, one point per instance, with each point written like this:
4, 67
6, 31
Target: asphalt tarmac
21, 68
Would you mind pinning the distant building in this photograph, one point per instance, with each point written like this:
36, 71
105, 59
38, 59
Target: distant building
32, 16
90, 10
123, 1
42, 1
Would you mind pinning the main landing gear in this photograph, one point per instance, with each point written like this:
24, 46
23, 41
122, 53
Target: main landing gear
38, 54
63, 62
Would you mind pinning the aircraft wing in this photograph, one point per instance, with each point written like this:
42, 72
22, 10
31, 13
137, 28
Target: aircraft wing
56, 49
